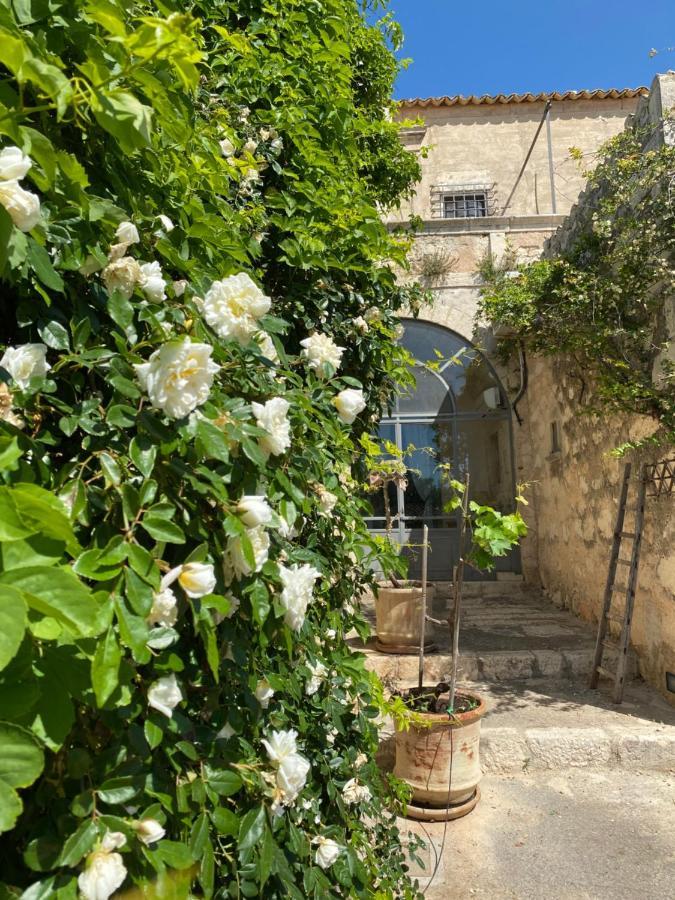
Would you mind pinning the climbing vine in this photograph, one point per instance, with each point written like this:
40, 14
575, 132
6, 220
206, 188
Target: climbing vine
602, 299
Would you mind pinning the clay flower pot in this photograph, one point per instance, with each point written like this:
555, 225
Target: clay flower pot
441, 762
398, 613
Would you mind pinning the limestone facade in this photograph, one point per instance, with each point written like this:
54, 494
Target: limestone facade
481, 143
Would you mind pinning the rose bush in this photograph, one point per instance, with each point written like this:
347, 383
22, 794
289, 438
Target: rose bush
193, 272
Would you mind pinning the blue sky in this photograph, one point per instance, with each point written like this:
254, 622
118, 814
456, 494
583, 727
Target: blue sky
493, 46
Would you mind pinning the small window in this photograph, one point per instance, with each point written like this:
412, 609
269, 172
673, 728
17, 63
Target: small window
465, 206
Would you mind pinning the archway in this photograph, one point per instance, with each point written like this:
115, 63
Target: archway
458, 414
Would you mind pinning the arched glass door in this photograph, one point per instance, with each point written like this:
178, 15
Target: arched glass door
457, 414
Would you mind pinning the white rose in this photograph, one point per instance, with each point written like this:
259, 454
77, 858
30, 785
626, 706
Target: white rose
164, 695
250, 146
271, 416
277, 145
166, 226
197, 579
226, 732
22, 205
14, 164
254, 510
127, 233
361, 325
105, 871
360, 760
179, 287
353, 792
226, 147
281, 744
288, 531
373, 314
349, 403
319, 672
320, 351
327, 852
149, 831
292, 776
267, 346
327, 500
264, 693
178, 377
25, 362
152, 281
233, 306
122, 275
164, 609
259, 541
298, 589
292, 767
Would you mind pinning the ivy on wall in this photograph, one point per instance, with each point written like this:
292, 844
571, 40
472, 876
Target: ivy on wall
197, 325
601, 298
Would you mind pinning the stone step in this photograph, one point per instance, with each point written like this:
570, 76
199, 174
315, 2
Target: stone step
546, 726
509, 665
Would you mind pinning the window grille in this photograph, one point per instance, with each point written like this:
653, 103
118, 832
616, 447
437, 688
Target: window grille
462, 201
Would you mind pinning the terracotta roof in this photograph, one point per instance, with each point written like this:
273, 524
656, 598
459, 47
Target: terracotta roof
493, 100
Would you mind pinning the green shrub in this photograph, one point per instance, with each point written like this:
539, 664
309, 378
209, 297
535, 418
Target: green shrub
197, 322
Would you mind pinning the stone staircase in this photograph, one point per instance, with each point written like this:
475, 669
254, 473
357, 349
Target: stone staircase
532, 662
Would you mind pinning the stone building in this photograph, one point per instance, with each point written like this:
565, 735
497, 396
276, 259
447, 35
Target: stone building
500, 176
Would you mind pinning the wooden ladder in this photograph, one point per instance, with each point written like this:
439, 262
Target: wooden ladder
612, 587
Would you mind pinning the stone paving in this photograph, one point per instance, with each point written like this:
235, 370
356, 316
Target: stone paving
578, 794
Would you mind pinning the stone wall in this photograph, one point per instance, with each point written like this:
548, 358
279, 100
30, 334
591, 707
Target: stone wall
575, 493
575, 489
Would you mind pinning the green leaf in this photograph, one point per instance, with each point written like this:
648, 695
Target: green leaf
111, 471
39, 260
153, 734
54, 714
143, 564
57, 593
105, 667
162, 529
78, 844
21, 759
252, 827
226, 821
10, 807
199, 835
175, 854
260, 602
125, 117
119, 790
143, 454
13, 620
224, 782
55, 335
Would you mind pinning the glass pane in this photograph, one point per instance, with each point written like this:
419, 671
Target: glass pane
422, 339
386, 432
425, 494
474, 386
429, 396
484, 449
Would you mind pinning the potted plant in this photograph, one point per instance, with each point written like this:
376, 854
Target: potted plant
438, 727
398, 601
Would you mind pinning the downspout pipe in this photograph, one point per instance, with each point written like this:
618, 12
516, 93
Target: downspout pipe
544, 118
522, 359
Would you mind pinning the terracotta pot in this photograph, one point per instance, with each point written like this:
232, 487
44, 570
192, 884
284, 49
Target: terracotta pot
444, 755
398, 613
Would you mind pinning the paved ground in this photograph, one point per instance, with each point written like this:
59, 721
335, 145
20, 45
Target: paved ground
578, 795
570, 836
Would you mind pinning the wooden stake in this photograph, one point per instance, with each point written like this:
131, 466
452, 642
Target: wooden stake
425, 546
457, 585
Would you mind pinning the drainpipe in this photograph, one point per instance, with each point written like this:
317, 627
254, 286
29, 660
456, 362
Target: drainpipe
551, 172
